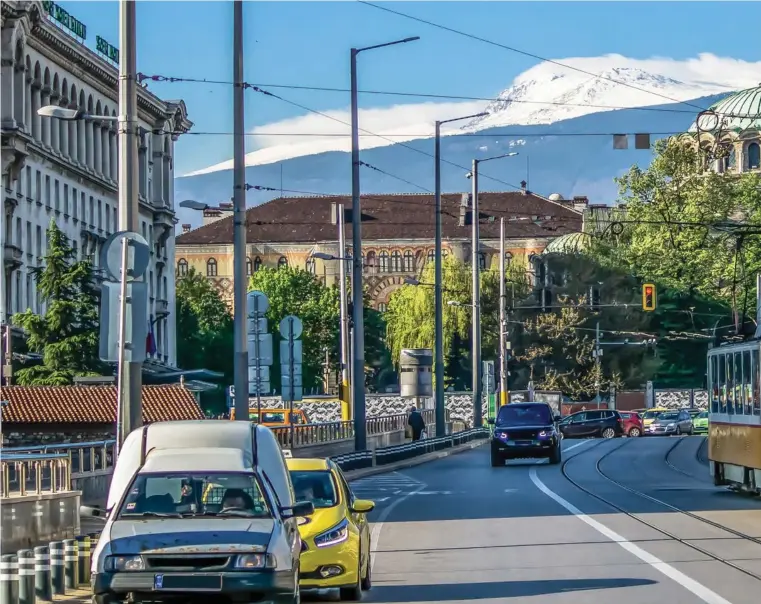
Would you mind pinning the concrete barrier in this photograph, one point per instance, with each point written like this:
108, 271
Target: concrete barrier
31, 520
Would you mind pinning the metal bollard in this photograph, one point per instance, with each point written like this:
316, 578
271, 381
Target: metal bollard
71, 563
43, 588
84, 559
26, 576
9, 579
56, 568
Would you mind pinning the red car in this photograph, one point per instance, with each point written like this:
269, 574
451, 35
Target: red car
632, 423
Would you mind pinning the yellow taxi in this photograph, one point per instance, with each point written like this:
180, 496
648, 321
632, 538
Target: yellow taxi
335, 551
648, 417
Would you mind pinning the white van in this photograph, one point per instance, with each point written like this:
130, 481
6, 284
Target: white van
199, 509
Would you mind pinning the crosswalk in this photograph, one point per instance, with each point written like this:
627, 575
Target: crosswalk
385, 487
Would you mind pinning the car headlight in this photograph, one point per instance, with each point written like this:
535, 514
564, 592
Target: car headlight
338, 534
546, 433
255, 561
671, 425
124, 563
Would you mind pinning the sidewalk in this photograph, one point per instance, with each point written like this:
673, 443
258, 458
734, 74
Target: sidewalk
77, 596
413, 461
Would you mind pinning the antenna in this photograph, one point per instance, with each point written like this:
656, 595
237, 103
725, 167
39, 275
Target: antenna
281, 180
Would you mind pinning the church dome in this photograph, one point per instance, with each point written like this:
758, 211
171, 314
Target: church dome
736, 113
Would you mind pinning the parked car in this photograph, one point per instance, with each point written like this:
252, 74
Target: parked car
700, 423
632, 423
605, 423
675, 422
648, 417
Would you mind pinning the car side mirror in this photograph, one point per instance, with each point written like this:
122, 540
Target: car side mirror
299, 509
94, 511
490, 421
362, 506
558, 418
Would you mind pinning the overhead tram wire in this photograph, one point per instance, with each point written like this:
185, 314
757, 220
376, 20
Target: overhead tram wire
430, 135
527, 54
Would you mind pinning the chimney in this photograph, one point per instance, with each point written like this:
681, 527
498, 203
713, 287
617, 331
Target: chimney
186, 228
466, 212
580, 202
226, 205
523, 187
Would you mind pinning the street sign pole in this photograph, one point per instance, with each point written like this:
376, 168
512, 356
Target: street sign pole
122, 346
260, 350
291, 372
257, 361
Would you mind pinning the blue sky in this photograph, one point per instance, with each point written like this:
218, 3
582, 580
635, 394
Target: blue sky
307, 43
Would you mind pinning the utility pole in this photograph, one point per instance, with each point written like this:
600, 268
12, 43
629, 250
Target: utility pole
130, 376
240, 359
598, 361
438, 303
476, 327
502, 317
346, 411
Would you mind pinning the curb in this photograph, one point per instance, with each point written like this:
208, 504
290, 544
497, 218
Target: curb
415, 461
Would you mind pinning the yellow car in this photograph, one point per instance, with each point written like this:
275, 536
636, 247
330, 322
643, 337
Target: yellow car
648, 417
335, 551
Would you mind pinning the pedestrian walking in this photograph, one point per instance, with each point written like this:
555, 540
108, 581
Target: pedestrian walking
416, 423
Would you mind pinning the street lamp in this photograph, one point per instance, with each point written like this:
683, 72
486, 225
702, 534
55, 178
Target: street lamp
324, 256
475, 257
358, 368
438, 389
63, 113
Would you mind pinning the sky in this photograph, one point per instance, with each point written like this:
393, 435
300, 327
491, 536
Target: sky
308, 44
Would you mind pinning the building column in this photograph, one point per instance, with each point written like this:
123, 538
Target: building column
105, 142
6, 93
63, 127
55, 126
114, 155
28, 101
97, 148
81, 142
36, 104
45, 122
19, 93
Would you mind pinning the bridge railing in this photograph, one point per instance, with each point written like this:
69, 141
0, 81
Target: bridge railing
34, 473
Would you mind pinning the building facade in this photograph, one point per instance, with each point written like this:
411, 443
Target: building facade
397, 233
66, 171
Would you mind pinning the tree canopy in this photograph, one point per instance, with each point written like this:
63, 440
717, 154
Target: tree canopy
66, 335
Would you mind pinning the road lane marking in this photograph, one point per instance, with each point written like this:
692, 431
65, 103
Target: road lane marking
700, 590
378, 526
583, 442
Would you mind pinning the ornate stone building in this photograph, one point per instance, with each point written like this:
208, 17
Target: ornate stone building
66, 171
397, 233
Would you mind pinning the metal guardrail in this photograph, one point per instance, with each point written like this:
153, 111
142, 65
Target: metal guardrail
34, 473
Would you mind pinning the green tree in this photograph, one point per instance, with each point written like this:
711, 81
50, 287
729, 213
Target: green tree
67, 334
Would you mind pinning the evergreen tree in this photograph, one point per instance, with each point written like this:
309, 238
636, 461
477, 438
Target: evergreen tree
67, 334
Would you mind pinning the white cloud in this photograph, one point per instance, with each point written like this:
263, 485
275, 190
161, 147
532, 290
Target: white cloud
699, 76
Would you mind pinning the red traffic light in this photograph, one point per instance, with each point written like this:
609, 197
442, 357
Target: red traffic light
648, 297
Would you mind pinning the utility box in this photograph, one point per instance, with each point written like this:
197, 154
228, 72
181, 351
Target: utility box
416, 372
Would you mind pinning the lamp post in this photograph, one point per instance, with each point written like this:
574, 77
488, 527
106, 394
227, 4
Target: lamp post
476, 268
358, 366
438, 362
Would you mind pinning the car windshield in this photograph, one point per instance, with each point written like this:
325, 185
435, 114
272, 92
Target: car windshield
316, 486
651, 414
268, 417
668, 416
703, 415
524, 415
180, 495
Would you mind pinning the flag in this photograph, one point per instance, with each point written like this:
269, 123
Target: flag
150, 339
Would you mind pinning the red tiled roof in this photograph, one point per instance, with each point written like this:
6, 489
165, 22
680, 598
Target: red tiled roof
308, 219
93, 404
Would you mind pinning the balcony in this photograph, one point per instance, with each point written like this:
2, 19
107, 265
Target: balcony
12, 256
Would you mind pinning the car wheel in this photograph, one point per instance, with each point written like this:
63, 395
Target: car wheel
367, 580
608, 433
496, 460
353, 594
635, 432
556, 456
679, 430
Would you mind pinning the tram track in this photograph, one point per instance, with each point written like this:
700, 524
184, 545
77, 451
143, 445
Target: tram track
673, 508
673, 448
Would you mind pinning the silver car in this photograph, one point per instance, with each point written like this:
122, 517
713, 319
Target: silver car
676, 422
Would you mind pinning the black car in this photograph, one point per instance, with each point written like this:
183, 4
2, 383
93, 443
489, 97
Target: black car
525, 431
605, 423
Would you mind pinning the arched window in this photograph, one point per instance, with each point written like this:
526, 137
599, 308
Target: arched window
311, 268
431, 256
248, 266
409, 262
383, 261
211, 267
396, 261
754, 156
508, 258
382, 307
444, 254
182, 267
282, 262
257, 263
371, 262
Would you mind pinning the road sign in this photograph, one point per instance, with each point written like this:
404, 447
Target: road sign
265, 349
258, 325
489, 384
257, 303
291, 327
295, 394
263, 371
136, 321
263, 388
285, 368
297, 379
285, 352
138, 256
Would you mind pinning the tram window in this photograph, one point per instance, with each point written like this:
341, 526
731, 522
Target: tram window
738, 398
747, 384
722, 383
754, 366
713, 381
730, 383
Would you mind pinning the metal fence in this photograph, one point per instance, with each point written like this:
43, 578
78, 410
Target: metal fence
34, 473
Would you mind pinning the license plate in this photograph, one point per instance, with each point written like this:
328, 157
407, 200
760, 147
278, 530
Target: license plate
525, 443
187, 582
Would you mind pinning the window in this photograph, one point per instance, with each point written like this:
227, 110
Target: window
257, 263
747, 384
182, 267
39, 242
524, 415
57, 190
82, 209
382, 307
508, 258
396, 261
47, 191
315, 486
482, 261
66, 199
282, 262
37, 186
431, 257
248, 266
92, 211
371, 262
754, 156
409, 262
211, 267
74, 198
383, 261
161, 494
311, 267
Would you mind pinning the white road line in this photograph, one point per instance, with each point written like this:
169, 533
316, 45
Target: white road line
378, 526
583, 442
700, 590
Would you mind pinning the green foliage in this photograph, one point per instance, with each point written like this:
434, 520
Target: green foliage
67, 334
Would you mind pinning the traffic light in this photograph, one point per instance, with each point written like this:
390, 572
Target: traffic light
594, 297
648, 297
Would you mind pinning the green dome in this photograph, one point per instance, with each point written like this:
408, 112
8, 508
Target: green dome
572, 243
737, 112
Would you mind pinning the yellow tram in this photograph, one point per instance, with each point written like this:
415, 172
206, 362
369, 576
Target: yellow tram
734, 430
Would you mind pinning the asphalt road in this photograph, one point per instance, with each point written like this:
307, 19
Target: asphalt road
459, 530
